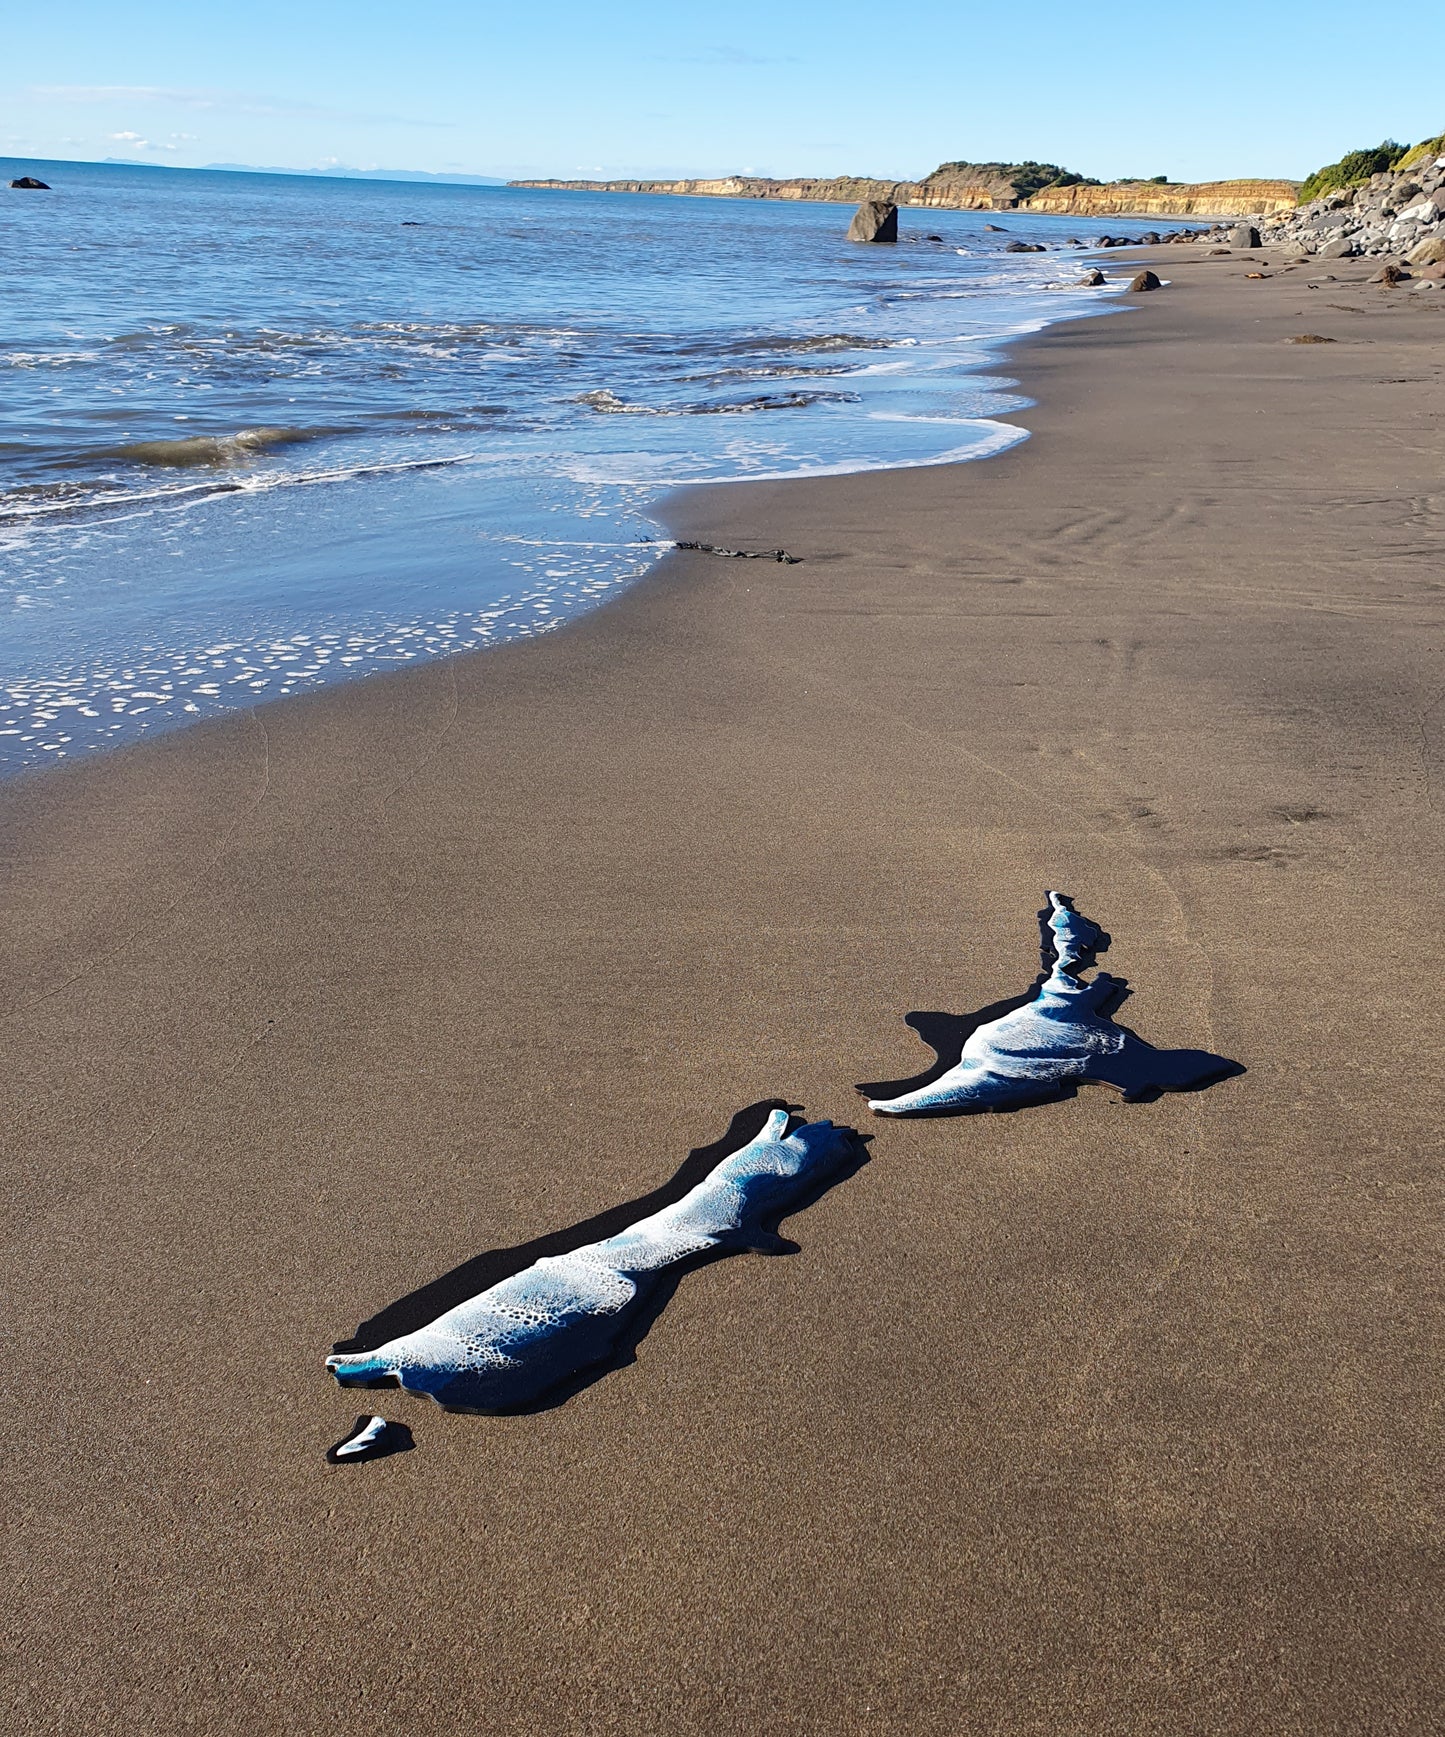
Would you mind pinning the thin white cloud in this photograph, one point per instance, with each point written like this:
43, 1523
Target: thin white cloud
215, 101
142, 144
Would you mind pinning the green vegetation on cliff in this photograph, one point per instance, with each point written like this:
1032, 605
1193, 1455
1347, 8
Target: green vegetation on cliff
1353, 169
1426, 151
1026, 179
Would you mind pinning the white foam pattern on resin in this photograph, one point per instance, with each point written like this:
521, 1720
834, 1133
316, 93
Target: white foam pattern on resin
504, 1347
1059, 1039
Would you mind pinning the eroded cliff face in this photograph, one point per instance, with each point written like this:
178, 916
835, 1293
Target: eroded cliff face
950, 190
1186, 199
838, 190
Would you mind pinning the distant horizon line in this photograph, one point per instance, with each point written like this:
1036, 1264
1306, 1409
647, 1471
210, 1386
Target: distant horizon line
338, 172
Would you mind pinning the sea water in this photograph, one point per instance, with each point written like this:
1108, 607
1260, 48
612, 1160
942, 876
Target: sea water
263, 432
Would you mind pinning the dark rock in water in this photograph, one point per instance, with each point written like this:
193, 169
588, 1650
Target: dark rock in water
933, 238
1092, 279
410, 223
1245, 236
1146, 280
874, 220
31, 182
1151, 239
1390, 274
996, 228
1026, 247
1073, 241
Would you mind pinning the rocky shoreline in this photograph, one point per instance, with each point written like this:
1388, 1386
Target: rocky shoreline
1399, 213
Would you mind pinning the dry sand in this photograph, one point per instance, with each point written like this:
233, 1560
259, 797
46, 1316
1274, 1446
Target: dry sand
1092, 1418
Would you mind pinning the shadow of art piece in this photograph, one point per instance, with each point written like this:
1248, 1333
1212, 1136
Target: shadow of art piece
530, 1334
371, 1438
1044, 1044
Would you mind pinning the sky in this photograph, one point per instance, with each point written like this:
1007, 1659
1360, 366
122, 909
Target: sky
638, 88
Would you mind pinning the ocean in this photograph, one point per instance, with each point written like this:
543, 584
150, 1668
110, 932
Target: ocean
264, 432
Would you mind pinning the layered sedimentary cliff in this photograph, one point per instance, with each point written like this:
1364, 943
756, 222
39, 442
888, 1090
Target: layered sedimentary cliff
1182, 199
979, 187
839, 190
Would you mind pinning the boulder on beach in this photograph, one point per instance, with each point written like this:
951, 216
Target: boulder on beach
1390, 274
1339, 248
30, 182
1244, 236
874, 220
1429, 252
1433, 273
1146, 280
1092, 279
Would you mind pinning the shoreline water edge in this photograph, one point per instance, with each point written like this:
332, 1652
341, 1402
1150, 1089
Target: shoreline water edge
1092, 1416
247, 487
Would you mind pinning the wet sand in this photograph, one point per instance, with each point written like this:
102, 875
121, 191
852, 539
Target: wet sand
1095, 1417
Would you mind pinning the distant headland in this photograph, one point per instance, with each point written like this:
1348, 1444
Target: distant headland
1043, 187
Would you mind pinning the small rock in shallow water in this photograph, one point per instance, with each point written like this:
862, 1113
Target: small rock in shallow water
1092, 279
874, 220
1146, 280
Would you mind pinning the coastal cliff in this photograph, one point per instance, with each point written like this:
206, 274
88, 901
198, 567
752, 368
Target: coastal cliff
979, 187
1181, 199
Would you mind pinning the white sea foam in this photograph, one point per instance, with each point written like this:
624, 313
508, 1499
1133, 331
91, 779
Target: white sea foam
1061, 1038
505, 1347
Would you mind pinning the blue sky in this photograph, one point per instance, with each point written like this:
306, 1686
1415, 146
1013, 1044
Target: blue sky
642, 88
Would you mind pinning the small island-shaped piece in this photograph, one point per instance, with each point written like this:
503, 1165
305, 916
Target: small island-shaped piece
30, 183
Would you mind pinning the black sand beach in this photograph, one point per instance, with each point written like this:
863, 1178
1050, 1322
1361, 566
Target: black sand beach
1095, 1417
